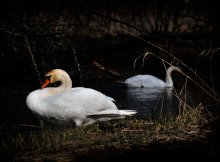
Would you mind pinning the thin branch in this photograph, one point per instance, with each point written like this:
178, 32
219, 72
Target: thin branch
76, 60
32, 58
105, 69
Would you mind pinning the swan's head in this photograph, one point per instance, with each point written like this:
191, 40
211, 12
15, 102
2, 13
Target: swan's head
55, 75
177, 68
172, 68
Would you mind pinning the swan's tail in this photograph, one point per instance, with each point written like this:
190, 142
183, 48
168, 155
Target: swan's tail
128, 112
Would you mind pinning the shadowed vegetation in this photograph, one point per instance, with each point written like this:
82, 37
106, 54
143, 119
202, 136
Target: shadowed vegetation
73, 143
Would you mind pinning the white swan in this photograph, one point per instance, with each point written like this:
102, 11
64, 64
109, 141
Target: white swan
82, 105
151, 81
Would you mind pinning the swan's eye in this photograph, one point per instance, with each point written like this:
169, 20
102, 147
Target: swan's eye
47, 77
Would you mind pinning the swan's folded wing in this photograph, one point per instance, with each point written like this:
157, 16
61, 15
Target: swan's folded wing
82, 101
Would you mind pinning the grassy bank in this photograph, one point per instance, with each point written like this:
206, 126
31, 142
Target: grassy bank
120, 139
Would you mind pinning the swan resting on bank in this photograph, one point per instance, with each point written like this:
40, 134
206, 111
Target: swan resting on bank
84, 106
151, 81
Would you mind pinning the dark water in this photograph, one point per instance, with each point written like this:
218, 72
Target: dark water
148, 102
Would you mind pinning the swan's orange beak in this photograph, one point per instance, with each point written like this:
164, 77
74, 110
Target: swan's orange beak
46, 82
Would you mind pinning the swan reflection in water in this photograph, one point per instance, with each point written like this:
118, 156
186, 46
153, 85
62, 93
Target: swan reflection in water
152, 102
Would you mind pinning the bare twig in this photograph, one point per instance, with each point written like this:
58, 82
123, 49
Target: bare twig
32, 58
105, 69
77, 64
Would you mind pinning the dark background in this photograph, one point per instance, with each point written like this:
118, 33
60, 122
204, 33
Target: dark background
37, 36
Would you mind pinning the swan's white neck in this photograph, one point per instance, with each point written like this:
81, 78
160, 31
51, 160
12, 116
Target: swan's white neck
66, 82
169, 80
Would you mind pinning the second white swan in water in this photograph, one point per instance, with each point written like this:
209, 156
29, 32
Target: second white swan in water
151, 81
84, 106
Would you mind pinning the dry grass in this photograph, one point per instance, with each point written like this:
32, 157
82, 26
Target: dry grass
123, 134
